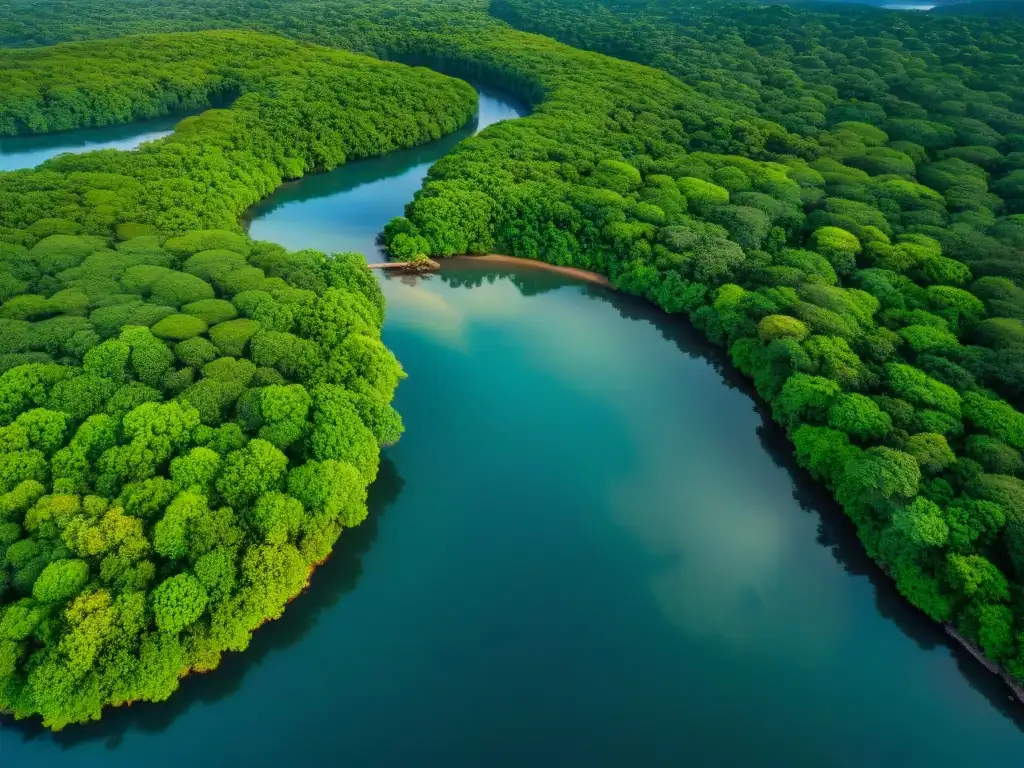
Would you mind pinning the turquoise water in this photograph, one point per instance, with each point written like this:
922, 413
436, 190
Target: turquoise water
590, 548
29, 151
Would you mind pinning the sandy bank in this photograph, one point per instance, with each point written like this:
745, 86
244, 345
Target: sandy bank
414, 267
498, 258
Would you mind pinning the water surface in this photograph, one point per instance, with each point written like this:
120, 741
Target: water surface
29, 151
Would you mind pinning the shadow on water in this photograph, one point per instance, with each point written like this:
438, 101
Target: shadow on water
30, 150
835, 531
531, 281
353, 175
334, 579
345, 209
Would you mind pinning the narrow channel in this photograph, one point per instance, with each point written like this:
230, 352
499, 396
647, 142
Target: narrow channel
345, 209
18, 152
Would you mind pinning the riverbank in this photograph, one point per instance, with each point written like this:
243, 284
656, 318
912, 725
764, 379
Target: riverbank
986, 662
500, 258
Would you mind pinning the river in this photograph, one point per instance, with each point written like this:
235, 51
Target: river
345, 209
590, 548
29, 151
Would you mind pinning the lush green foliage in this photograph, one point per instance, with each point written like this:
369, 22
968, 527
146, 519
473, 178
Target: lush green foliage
187, 423
837, 198
301, 108
160, 499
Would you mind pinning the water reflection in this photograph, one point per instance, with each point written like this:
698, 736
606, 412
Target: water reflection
331, 581
345, 209
29, 151
359, 173
834, 531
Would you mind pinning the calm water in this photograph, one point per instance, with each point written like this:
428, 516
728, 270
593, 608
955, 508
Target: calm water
590, 548
29, 151
346, 209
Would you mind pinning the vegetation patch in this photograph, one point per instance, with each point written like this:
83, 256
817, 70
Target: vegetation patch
166, 486
187, 423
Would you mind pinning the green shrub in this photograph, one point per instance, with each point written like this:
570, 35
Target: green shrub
211, 311
179, 327
177, 289
196, 351
232, 336
206, 240
59, 252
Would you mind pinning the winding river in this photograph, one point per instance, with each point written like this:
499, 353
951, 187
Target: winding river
29, 151
590, 548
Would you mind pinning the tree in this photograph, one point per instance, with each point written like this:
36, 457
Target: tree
860, 417
211, 311
918, 388
198, 468
823, 452
60, 581
332, 488
179, 327
283, 414
977, 578
277, 518
995, 456
805, 398
178, 602
931, 451
838, 246
879, 478
971, 521
702, 196
995, 630
339, 433
250, 472
920, 525
108, 360
995, 417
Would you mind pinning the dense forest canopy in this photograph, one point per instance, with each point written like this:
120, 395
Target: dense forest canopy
188, 419
299, 108
837, 197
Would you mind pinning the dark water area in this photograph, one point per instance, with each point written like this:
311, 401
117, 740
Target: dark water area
590, 548
18, 152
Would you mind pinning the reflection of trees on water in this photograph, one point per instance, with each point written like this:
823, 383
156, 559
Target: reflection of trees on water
835, 531
531, 281
345, 178
335, 578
